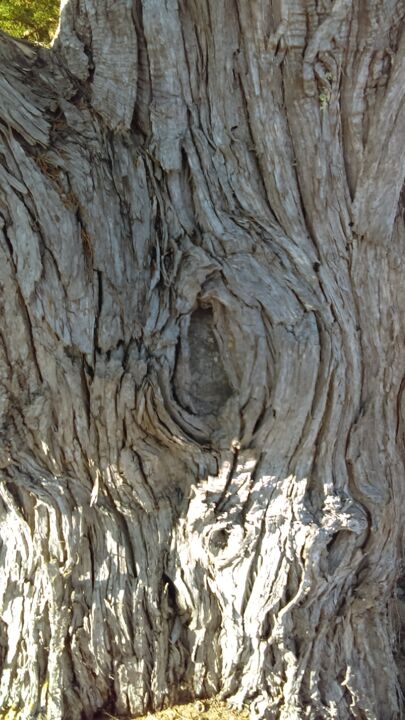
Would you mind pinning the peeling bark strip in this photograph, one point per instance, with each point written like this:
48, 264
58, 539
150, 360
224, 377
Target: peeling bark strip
202, 359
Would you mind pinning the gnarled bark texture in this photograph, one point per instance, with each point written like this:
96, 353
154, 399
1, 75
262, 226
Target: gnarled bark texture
202, 252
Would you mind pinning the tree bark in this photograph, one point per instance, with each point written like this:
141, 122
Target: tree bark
202, 359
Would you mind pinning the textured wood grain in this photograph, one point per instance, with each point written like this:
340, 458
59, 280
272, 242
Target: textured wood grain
202, 361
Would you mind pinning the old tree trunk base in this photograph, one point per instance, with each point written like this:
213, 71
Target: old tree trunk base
202, 252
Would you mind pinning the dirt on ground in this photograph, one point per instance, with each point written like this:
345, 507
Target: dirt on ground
197, 710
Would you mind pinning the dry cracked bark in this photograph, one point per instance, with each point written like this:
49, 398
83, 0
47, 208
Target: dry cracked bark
202, 359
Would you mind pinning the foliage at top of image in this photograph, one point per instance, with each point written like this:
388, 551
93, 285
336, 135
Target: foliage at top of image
33, 20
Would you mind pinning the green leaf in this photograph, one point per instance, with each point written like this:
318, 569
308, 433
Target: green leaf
33, 20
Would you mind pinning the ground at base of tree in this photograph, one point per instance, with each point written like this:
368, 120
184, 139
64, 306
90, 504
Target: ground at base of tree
198, 710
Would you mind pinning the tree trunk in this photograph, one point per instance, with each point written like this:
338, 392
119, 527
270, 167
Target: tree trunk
202, 355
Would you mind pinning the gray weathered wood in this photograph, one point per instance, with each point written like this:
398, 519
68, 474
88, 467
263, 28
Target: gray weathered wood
202, 359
